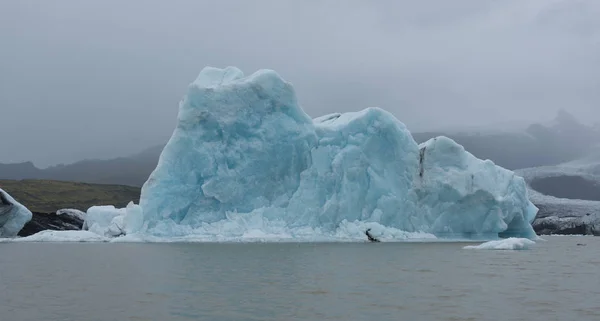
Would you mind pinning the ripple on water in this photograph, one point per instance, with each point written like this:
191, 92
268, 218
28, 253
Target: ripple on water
315, 292
485, 274
589, 312
309, 282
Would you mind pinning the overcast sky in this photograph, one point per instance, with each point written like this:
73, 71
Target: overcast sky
99, 79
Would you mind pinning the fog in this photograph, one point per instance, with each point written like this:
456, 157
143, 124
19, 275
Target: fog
100, 79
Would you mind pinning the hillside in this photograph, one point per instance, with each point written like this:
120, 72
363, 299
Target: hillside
132, 170
49, 196
562, 140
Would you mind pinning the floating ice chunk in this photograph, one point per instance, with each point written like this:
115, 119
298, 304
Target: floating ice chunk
63, 236
245, 158
72, 212
98, 219
511, 243
13, 215
109, 221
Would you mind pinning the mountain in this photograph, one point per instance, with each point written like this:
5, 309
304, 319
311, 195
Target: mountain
562, 140
19, 171
131, 171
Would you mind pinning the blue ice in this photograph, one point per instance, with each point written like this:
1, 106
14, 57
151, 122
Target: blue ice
245, 159
13, 215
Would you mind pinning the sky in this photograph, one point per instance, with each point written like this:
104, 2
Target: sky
101, 79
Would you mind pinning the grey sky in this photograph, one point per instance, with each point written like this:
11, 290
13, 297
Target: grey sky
99, 79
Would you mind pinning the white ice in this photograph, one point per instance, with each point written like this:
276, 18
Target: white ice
504, 244
565, 211
255, 227
13, 215
587, 167
63, 236
71, 212
106, 220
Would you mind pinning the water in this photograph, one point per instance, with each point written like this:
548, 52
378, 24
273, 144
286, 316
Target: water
557, 280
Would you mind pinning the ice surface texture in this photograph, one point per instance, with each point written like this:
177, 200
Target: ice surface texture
13, 215
510, 243
63, 236
243, 149
72, 213
109, 221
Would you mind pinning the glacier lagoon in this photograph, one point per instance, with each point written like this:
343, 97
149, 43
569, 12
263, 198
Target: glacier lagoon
246, 163
299, 281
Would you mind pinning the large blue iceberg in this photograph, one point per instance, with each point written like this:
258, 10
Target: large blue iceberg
246, 160
13, 215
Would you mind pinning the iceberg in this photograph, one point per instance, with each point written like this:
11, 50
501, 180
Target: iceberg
511, 243
104, 220
246, 161
13, 215
108, 221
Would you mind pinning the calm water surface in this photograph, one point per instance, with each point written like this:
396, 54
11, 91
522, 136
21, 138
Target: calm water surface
557, 280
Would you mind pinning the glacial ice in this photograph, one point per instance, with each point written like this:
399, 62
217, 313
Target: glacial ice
587, 167
588, 224
13, 215
245, 161
63, 236
563, 215
108, 221
511, 243
98, 219
72, 213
